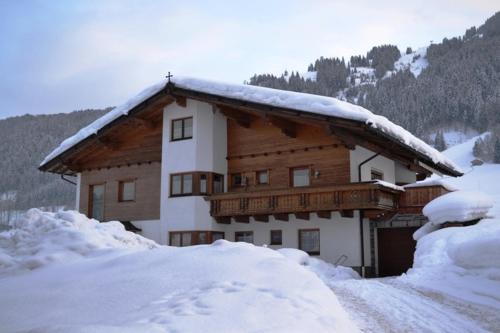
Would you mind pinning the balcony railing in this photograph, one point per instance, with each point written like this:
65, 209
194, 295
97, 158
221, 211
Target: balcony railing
348, 197
415, 198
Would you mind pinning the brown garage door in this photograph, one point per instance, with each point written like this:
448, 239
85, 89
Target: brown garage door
395, 250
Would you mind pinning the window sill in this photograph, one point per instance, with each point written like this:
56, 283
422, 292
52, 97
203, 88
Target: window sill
181, 139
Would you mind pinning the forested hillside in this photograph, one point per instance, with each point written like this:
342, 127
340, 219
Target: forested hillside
455, 81
24, 142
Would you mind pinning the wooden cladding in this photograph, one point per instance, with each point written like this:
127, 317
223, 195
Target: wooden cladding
415, 198
195, 183
303, 200
263, 145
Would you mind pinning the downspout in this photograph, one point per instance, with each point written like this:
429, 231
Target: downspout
67, 180
361, 216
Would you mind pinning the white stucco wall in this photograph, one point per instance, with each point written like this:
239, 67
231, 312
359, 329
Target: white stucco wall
206, 151
338, 236
380, 163
404, 175
150, 229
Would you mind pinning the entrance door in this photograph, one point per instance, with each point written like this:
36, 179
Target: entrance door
395, 250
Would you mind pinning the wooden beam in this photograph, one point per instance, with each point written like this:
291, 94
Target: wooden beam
287, 127
181, 101
242, 118
136, 121
242, 218
302, 215
223, 219
324, 214
261, 218
281, 217
347, 213
107, 143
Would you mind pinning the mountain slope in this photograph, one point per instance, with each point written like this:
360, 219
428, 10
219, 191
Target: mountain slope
24, 142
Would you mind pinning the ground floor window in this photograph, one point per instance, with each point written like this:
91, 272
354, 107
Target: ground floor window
243, 236
309, 241
276, 237
187, 238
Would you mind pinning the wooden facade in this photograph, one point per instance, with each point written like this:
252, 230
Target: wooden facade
262, 146
146, 203
413, 200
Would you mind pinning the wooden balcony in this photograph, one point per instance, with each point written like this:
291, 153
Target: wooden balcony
302, 201
413, 200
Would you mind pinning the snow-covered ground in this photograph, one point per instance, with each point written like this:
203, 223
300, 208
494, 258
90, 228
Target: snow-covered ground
416, 61
61, 272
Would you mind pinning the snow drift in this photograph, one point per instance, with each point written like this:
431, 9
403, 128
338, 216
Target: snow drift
39, 238
94, 277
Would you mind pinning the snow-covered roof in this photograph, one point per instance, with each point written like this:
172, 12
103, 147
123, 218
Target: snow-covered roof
321, 105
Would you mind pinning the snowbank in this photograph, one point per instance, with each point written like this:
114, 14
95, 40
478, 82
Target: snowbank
458, 206
40, 238
461, 261
223, 287
327, 272
279, 98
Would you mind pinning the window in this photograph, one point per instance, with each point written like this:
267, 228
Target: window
243, 236
375, 174
300, 177
188, 238
96, 202
309, 241
218, 185
181, 184
126, 190
262, 177
276, 237
182, 129
236, 179
203, 183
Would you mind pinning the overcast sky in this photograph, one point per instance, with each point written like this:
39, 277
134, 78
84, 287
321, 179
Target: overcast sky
59, 56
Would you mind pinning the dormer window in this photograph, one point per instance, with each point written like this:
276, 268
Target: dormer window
182, 129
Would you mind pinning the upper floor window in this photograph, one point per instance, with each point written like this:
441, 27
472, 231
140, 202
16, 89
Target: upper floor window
196, 183
126, 190
377, 175
182, 129
300, 177
262, 177
237, 179
181, 184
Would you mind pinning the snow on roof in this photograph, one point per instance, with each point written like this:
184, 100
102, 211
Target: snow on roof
433, 182
327, 106
458, 206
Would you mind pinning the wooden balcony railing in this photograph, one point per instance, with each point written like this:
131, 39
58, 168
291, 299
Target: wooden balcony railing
413, 199
353, 196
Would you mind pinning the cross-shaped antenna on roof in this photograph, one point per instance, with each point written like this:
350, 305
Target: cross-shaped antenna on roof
168, 77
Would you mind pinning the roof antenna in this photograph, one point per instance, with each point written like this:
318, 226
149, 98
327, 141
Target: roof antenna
168, 77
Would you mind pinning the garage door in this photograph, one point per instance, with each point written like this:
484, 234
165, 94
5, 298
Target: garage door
395, 250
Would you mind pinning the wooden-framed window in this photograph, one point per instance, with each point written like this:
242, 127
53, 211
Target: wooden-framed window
237, 180
262, 177
243, 236
377, 174
182, 129
196, 183
96, 201
300, 176
188, 238
309, 241
276, 237
181, 184
217, 183
126, 190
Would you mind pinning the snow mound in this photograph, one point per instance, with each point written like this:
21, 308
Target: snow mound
39, 238
458, 206
325, 271
223, 287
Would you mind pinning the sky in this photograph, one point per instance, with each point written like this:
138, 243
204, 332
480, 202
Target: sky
59, 56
